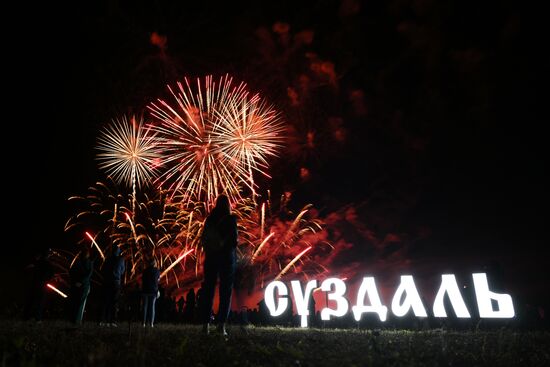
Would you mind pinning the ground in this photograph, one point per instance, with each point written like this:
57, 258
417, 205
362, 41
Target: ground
56, 343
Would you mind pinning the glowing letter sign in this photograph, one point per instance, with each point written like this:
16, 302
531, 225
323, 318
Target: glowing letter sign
270, 298
337, 295
449, 285
406, 297
302, 298
412, 299
368, 286
484, 296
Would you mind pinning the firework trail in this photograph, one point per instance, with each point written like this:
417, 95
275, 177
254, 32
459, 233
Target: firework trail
181, 257
214, 138
291, 263
57, 290
96, 245
129, 153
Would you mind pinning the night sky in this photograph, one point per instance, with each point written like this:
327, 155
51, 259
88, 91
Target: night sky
409, 125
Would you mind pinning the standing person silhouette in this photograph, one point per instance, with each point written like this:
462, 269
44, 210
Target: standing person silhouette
150, 292
80, 274
189, 310
43, 272
219, 241
113, 272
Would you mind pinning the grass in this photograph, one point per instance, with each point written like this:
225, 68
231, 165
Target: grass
56, 343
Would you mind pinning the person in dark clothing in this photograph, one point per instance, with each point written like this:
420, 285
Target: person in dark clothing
180, 304
43, 272
80, 275
150, 292
312, 320
219, 241
189, 310
288, 316
263, 313
113, 272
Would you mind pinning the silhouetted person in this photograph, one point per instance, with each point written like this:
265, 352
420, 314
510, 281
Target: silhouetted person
43, 272
80, 275
189, 310
263, 313
113, 271
180, 304
150, 292
312, 321
133, 307
172, 309
253, 316
288, 316
219, 240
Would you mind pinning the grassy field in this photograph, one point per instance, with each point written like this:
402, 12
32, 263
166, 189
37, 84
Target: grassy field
54, 343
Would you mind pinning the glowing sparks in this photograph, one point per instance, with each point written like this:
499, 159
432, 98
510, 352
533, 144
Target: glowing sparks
215, 137
159, 228
211, 137
133, 228
164, 225
262, 220
283, 272
96, 245
263, 257
260, 246
128, 152
194, 164
175, 262
249, 131
56, 290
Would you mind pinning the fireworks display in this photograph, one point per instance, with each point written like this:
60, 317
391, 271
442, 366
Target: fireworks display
128, 152
331, 127
157, 230
272, 239
247, 132
214, 138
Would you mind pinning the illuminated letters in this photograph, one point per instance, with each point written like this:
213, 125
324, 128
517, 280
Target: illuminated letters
484, 296
337, 295
412, 299
449, 285
270, 298
406, 297
368, 286
301, 299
